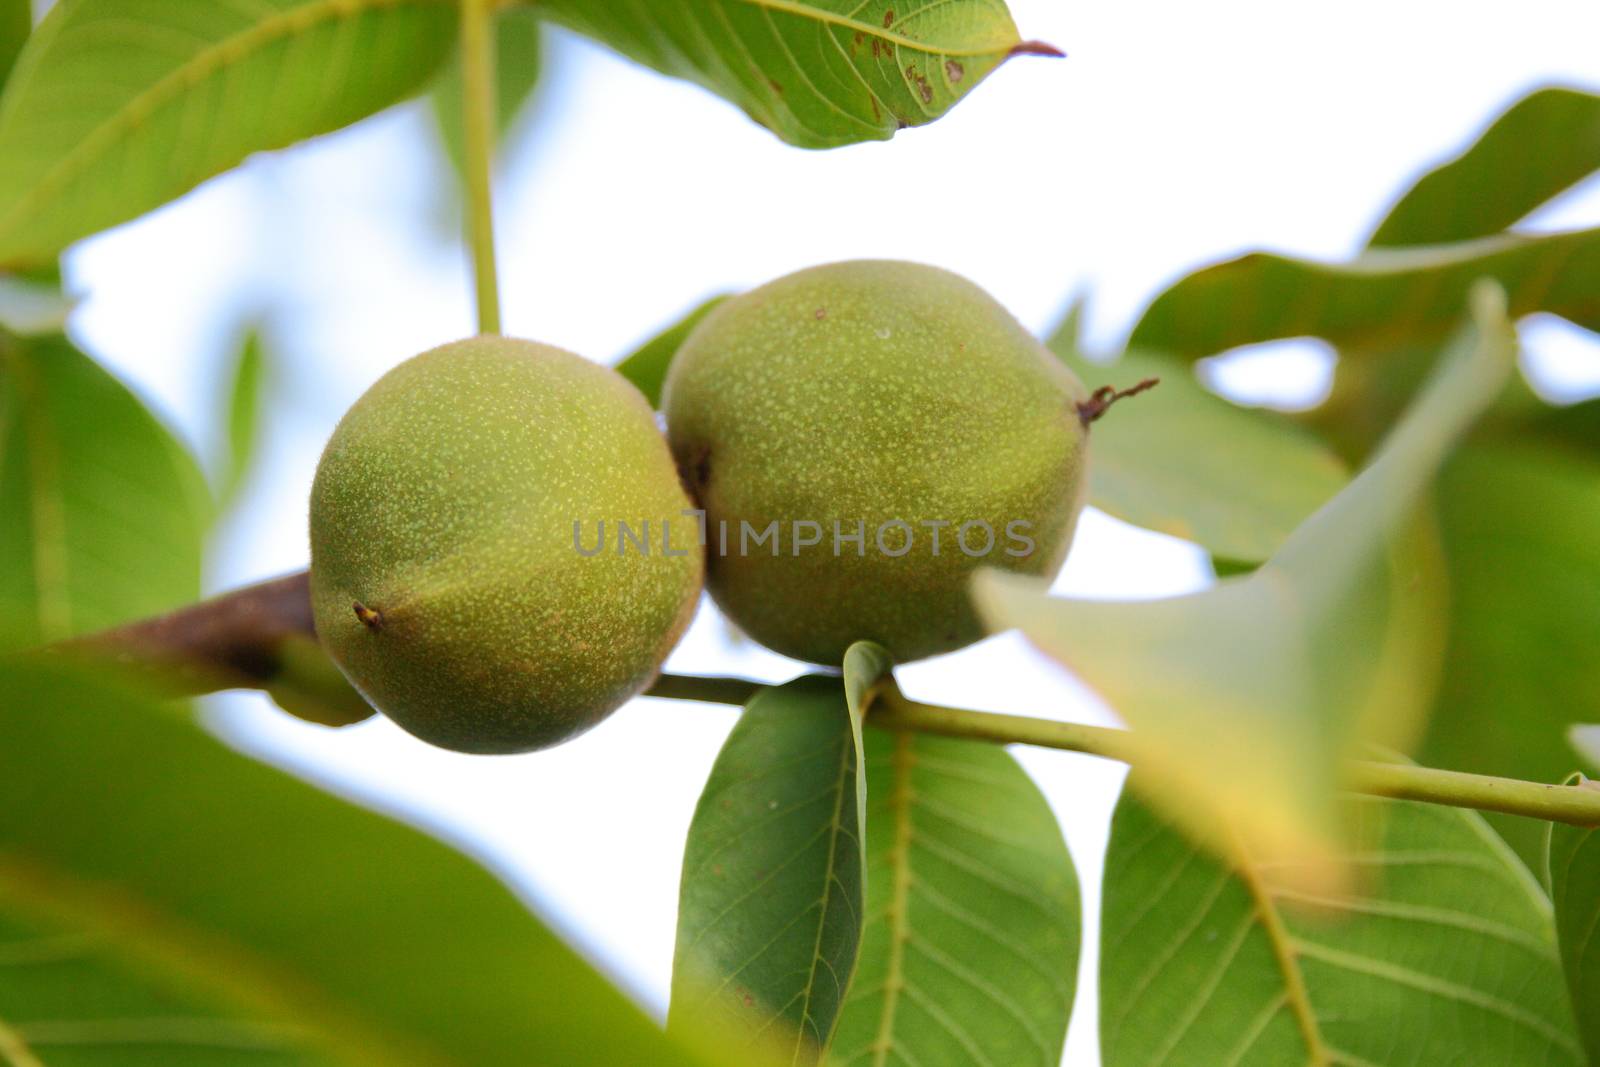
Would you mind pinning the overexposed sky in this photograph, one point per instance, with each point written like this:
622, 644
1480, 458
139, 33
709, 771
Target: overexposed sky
1174, 134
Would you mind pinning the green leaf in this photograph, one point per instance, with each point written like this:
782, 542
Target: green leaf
970, 951
16, 22
1245, 697
232, 885
117, 106
769, 914
648, 365
516, 67
102, 512
1381, 299
1184, 461
1518, 522
1442, 953
1572, 862
1544, 144
244, 411
818, 73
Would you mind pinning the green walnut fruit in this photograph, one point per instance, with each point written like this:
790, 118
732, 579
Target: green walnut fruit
900, 428
498, 551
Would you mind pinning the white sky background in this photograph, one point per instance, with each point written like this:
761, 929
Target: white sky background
1175, 134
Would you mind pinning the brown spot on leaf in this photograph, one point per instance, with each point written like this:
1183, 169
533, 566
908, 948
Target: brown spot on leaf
775, 86
924, 90
820, 314
954, 71
888, 18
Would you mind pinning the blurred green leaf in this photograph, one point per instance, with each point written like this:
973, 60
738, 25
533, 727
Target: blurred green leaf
244, 411
516, 67
648, 365
818, 73
1442, 953
234, 884
16, 22
970, 950
1521, 529
769, 915
1542, 145
1181, 460
102, 512
1244, 698
1572, 860
117, 106
1382, 299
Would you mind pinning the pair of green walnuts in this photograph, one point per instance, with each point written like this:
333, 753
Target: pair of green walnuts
504, 549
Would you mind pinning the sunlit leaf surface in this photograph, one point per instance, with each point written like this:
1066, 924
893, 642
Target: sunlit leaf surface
1440, 952
818, 73
117, 106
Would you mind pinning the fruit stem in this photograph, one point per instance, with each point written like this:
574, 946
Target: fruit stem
479, 104
1101, 399
891, 710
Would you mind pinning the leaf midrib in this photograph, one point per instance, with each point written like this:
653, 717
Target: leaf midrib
900, 801
198, 67
899, 40
835, 828
1318, 1052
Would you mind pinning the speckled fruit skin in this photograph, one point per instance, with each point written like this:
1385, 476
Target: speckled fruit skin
872, 391
445, 503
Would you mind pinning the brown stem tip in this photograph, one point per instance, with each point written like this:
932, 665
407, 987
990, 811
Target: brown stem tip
372, 620
1101, 399
1036, 48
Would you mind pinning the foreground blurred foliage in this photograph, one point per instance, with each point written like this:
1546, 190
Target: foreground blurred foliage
216, 906
904, 898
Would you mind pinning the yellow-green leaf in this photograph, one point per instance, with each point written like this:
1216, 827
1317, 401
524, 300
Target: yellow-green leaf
818, 73
1244, 698
117, 106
